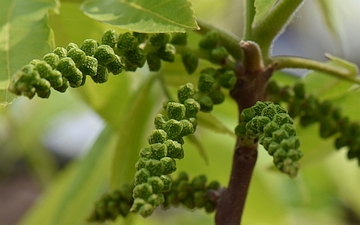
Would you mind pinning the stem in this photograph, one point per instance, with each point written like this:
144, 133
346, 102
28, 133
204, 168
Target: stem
266, 30
252, 58
230, 205
226, 39
250, 85
249, 18
304, 63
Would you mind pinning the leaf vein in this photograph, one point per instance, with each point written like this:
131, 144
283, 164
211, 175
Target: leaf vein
139, 7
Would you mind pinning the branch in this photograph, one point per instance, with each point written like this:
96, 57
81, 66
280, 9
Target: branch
230, 205
249, 88
266, 30
304, 63
249, 18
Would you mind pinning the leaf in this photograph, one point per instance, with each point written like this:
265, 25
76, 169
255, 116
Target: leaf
74, 190
351, 67
24, 35
132, 132
326, 86
210, 122
328, 13
145, 16
262, 7
199, 146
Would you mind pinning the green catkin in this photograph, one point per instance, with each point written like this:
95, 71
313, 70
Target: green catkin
274, 129
69, 66
193, 193
158, 161
179, 120
310, 110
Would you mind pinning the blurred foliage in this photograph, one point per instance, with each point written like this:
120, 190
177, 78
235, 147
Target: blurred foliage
326, 191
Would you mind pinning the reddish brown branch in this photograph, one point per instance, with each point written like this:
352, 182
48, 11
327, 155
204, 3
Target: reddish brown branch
250, 86
231, 203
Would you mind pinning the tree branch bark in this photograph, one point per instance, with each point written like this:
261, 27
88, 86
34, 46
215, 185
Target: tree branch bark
250, 87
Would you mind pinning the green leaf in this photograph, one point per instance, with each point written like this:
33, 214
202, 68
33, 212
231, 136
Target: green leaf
262, 7
145, 16
24, 35
131, 135
325, 86
351, 67
199, 146
329, 15
74, 190
210, 122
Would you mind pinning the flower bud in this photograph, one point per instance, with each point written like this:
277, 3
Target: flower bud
192, 108
178, 38
160, 39
206, 83
175, 110
227, 79
127, 42
104, 54
169, 165
77, 55
156, 183
174, 149
52, 59
155, 167
102, 74
167, 182
142, 191
156, 199
219, 54
141, 176
217, 96
61, 52
69, 70
167, 53
299, 90
89, 46
89, 66
110, 37
209, 40
206, 104
185, 91
153, 61
158, 150
173, 128
190, 62
160, 121
158, 136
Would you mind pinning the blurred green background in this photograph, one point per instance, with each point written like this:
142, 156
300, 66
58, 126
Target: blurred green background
56, 155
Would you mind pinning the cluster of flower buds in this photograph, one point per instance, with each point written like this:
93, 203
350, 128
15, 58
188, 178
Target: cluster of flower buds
159, 48
310, 110
210, 42
69, 66
110, 205
209, 87
158, 160
195, 193
273, 127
